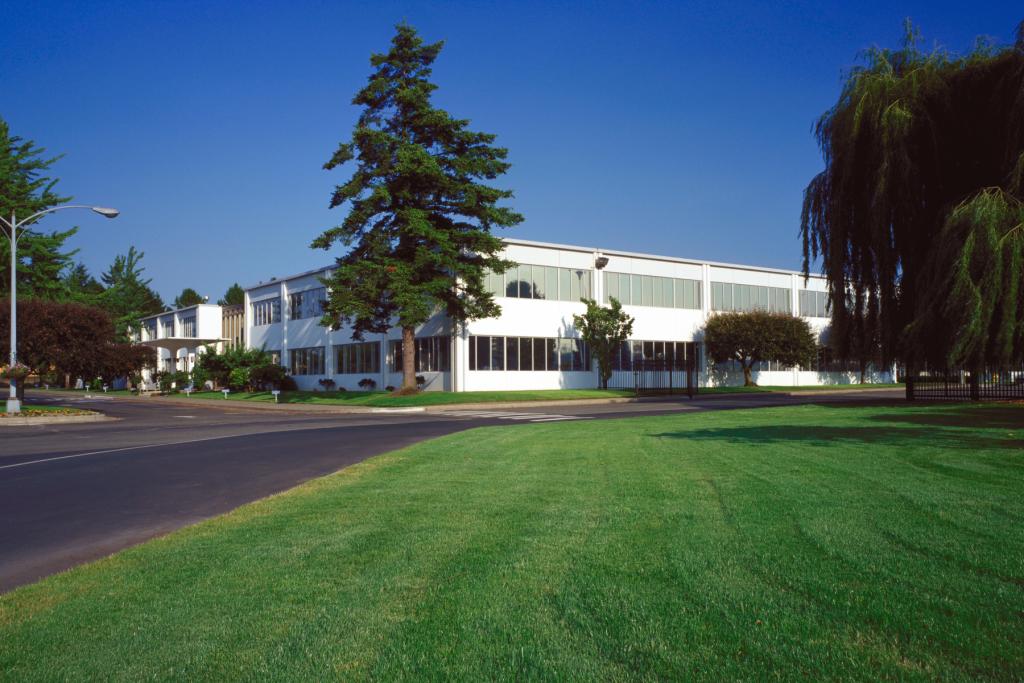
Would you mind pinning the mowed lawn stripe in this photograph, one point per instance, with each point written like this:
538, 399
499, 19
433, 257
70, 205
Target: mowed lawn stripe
815, 541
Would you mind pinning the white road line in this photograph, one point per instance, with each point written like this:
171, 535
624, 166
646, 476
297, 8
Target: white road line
117, 450
553, 419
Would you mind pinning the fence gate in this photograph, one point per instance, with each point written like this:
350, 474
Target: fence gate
658, 377
957, 384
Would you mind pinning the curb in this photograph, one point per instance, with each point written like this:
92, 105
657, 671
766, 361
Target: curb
65, 419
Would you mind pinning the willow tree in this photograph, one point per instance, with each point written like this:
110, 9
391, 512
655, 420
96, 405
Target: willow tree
916, 216
419, 219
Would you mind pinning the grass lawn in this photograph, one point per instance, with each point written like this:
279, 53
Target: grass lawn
380, 399
811, 542
809, 387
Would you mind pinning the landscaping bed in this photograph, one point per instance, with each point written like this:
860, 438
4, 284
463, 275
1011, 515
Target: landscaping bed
45, 411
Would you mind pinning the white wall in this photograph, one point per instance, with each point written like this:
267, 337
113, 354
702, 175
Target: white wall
538, 318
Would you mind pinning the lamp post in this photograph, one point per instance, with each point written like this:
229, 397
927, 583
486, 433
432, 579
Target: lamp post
13, 404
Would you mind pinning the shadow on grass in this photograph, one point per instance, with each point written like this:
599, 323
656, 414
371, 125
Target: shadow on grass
818, 435
1000, 416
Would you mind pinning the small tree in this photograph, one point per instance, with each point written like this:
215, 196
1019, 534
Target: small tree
234, 296
758, 336
188, 297
604, 330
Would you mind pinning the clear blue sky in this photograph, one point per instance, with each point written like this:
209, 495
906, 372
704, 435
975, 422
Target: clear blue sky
672, 128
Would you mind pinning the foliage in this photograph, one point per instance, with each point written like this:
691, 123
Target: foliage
924, 167
327, 383
172, 380
128, 296
233, 297
81, 287
188, 297
118, 359
604, 330
419, 221
368, 384
756, 336
266, 375
25, 190
979, 265
239, 378
17, 372
69, 338
238, 368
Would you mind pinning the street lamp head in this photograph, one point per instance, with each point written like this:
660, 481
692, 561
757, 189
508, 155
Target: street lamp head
108, 212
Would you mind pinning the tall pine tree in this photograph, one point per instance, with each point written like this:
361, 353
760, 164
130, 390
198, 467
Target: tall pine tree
419, 220
24, 190
128, 296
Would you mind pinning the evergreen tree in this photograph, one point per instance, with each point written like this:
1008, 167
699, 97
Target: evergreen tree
233, 297
419, 220
81, 286
24, 190
128, 296
917, 213
604, 330
188, 297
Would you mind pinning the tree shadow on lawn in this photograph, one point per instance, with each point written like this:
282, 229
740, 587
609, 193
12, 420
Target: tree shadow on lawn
997, 416
818, 435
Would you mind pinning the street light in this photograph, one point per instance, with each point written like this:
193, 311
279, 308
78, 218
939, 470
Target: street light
13, 404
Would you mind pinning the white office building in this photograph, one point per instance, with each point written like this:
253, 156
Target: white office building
179, 335
533, 343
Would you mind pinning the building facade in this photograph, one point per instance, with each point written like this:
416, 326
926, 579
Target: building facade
533, 343
179, 335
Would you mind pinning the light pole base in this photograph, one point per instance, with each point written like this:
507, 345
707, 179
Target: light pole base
13, 405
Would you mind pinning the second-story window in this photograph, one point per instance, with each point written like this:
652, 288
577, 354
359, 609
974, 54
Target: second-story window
307, 304
188, 326
266, 311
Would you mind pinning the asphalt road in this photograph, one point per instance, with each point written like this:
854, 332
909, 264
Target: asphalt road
77, 492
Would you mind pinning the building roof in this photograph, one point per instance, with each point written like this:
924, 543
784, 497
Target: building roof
582, 249
177, 310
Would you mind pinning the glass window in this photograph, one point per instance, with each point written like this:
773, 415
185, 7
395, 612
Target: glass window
497, 353
266, 311
512, 352
526, 354
494, 283
611, 287
624, 289
539, 354
565, 354
551, 282
551, 350
308, 361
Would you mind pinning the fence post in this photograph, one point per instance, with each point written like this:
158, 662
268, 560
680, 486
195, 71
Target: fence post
975, 389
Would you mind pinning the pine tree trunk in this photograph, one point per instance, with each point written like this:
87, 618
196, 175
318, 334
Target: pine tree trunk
408, 359
748, 380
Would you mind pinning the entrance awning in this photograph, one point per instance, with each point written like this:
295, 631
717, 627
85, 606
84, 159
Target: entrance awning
175, 344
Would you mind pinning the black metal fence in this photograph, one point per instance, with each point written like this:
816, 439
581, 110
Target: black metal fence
658, 377
957, 384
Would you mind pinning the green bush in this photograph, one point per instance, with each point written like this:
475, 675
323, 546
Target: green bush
239, 378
